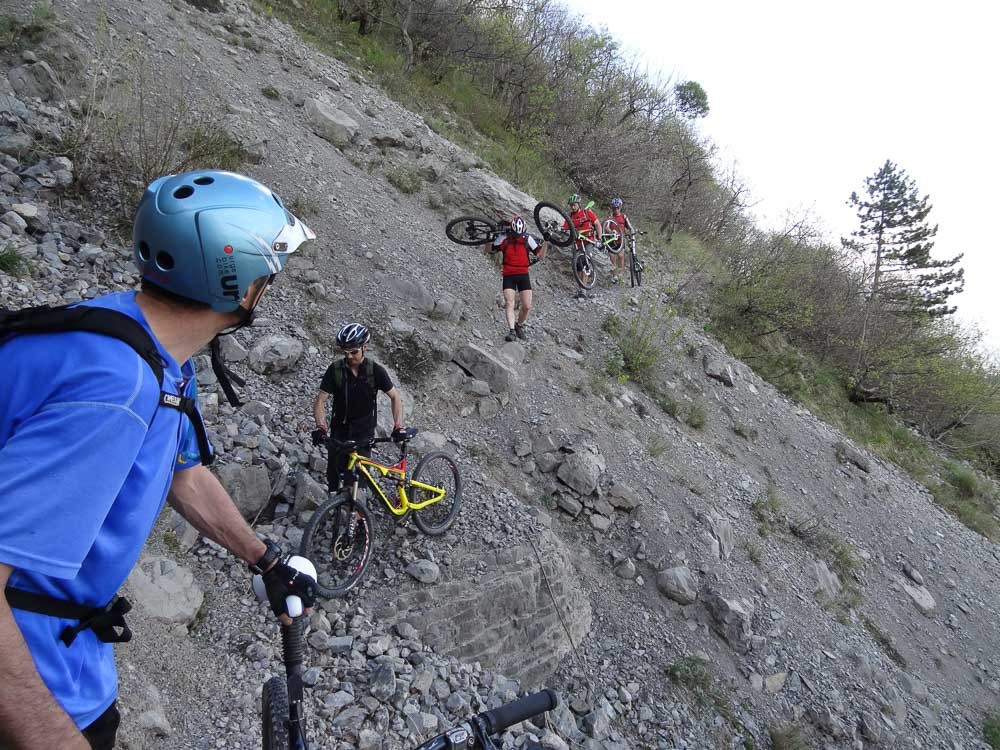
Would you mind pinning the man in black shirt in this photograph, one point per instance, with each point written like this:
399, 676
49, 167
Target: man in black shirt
354, 383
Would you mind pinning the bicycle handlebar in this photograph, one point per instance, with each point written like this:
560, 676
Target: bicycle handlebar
471, 733
498, 719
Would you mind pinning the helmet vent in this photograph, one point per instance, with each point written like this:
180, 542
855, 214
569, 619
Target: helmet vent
164, 260
204, 180
184, 191
144, 254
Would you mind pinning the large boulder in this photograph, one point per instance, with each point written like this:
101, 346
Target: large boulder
678, 584
165, 590
581, 471
275, 353
249, 486
484, 366
731, 619
35, 80
330, 124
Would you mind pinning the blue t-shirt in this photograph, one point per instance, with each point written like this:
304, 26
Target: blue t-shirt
84, 471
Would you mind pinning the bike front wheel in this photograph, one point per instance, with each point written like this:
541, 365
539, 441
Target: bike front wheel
340, 541
551, 220
636, 271
274, 715
471, 230
583, 270
439, 470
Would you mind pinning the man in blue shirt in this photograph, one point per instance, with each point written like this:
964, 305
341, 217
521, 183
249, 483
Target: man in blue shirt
89, 453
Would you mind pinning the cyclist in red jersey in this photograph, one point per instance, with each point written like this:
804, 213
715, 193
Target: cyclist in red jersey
585, 220
520, 250
618, 258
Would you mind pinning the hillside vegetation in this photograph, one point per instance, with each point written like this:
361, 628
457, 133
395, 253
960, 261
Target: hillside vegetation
860, 331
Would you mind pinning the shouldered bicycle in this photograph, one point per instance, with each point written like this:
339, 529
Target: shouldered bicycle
339, 538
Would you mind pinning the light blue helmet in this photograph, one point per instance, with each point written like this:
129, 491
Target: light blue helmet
208, 235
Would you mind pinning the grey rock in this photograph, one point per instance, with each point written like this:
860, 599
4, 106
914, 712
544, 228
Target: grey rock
717, 369
599, 522
484, 366
340, 644
309, 494
383, 683
722, 530
626, 569
548, 462
731, 619
330, 123
623, 497
275, 353
569, 505
921, 597
581, 471
913, 574
678, 584
827, 581
249, 486
425, 571
35, 80
165, 590
17, 223
339, 700
847, 454
232, 349
15, 144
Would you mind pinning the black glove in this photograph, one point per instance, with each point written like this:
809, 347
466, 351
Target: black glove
533, 259
319, 436
399, 435
547, 236
282, 581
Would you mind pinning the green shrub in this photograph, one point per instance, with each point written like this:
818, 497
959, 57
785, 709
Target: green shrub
271, 92
11, 262
787, 737
697, 417
884, 642
691, 673
405, 179
656, 446
16, 35
991, 730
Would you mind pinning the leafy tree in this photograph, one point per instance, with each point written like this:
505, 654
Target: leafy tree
895, 240
692, 101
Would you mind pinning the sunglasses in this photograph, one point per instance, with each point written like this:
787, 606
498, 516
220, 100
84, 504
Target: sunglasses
346, 352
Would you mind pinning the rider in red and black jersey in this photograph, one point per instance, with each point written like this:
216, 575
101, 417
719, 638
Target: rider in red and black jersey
520, 250
585, 220
619, 217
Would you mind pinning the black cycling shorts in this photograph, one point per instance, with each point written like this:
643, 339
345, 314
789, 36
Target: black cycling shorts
519, 282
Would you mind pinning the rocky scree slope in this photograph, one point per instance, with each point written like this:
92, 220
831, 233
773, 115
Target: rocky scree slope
734, 568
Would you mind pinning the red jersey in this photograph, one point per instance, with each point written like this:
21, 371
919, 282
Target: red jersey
584, 220
515, 252
622, 220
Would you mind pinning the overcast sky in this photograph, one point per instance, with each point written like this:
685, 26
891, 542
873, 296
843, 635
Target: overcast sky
808, 99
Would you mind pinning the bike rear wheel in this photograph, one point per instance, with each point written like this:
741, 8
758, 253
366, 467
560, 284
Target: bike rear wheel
583, 270
471, 230
613, 228
437, 469
274, 715
550, 218
340, 541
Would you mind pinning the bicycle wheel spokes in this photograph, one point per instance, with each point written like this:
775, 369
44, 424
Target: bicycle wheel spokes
439, 470
550, 219
583, 270
471, 230
339, 540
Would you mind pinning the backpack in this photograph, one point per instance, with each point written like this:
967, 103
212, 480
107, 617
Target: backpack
340, 381
108, 621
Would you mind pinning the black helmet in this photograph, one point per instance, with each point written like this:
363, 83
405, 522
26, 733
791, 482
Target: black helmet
352, 336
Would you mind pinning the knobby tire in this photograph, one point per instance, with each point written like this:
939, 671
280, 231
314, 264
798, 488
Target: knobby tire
274, 715
471, 230
557, 235
436, 469
320, 536
580, 262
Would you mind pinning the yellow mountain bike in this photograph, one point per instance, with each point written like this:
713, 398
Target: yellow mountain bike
339, 538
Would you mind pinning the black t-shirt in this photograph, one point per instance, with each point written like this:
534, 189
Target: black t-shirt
360, 394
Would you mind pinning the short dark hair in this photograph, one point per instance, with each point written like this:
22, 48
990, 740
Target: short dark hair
169, 298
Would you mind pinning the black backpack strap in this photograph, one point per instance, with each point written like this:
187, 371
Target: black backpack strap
224, 375
119, 326
84, 318
107, 622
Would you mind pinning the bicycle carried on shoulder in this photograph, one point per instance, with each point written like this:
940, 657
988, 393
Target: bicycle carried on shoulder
477, 229
339, 538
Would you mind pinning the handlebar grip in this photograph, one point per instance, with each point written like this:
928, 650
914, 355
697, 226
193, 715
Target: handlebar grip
293, 605
500, 718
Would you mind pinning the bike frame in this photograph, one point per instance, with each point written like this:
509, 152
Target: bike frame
362, 466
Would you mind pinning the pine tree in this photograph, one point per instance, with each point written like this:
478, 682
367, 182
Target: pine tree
895, 240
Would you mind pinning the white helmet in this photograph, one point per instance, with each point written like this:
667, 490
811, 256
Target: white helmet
517, 225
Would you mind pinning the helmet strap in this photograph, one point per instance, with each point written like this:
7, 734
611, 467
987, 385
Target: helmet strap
223, 374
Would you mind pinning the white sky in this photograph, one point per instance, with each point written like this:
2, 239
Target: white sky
808, 99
